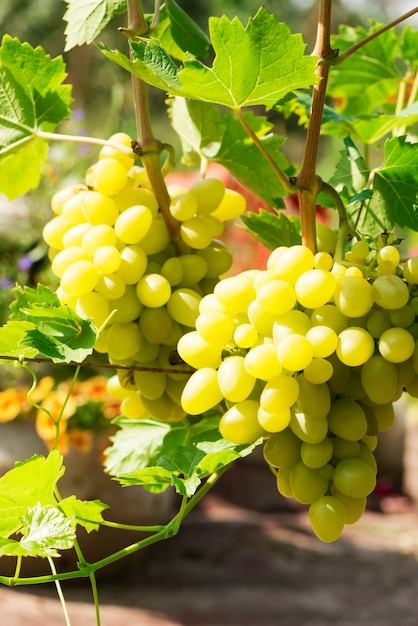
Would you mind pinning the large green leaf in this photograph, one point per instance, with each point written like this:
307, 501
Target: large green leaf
272, 230
179, 34
32, 98
87, 18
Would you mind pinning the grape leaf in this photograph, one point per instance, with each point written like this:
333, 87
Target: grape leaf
272, 230
32, 98
87, 18
45, 529
12, 336
178, 34
352, 174
87, 513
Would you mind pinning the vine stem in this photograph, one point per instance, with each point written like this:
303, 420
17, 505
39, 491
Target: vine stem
42, 134
59, 592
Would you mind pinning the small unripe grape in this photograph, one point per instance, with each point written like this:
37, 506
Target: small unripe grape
153, 290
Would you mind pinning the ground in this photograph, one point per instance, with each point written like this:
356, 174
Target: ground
233, 564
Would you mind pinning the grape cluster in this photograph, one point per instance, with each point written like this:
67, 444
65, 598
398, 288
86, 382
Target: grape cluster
310, 354
112, 251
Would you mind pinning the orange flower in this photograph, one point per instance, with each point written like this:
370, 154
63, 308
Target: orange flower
81, 439
42, 389
13, 402
46, 430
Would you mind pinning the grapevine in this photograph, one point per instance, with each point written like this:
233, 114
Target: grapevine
304, 355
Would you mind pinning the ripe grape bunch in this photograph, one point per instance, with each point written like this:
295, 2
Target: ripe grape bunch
112, 251
310, 354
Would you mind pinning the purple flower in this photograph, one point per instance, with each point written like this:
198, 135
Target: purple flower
5, 282
25, 263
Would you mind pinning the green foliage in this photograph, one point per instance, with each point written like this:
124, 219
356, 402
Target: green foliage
272, 230
86, 20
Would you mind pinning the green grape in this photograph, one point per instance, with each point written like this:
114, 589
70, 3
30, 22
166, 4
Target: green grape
98, 236
385, 268
157, 237
74, 235
155, 324
354, 387
215, 327
378, 322
133, 224
273, 422
353, 296
327, 515
163, 408
402, 317
316, 455
208, 194
93, 306
323, 261
174, 389
123, 340
136, 196
109, 151
261, 361
98, 208
328, 315
65, 258
153, 290
172, 269
360, 249
307, 428
72, 209
405, 371
194, 269
54, 230
62, 195
245, 336
293, 262
115, 388
183, 207
236, 293
283, 482
354, 507
197, 352
79, 278
323, 340
353, 477
232, 205
127, 308
197, 232
347, 420
151, 385
132, 407
313, 399
379, 378
355, 346
234, 381
279, 393
396, 345
109, 176
107, 259
111, 286
293, 322
388, 253
183, 306
326, 238
133, 263
240, 423
263, 322
294, 352
218, 258
318, 371
315, 288
307, 483
366, 454
390, 292
340, 374
282, 449
276, 296
345, 448
410, 270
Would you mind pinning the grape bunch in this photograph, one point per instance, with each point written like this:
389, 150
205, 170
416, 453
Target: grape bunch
310, 354
112, 252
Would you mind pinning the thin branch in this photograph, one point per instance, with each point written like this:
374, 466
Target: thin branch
81, 139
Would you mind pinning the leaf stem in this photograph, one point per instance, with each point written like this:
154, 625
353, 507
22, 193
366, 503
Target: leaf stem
42, 134
345, 55
59, 592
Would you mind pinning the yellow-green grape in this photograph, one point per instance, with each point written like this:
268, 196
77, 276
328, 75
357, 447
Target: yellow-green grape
218, 258
194, 269
62, 195
293, 322
195, 232
123, 139
294, 352
232, 205
72, 209
410, 270
123, 340
323, 339
98, 208
308, 428
385, 267
307, 484
79, 278
340, 374
245, 336
198, 352
261, 361
183, 207
279, 393
378, 322
127, 308
172, 270
360, 249
354, 507
276, 296
133, 407
151, 385
390, 292
215, 327
354, 388
315, 288
347, 420
379, 378
208, 194
328, 315
54, 230
353, 296
153, 290
273, 422
396, 345
323, 261
234, 381
174, 388
355, 346
326, 238
318, 371
261, 320
282, 449
65, 258
148, 353
164, 409
111, 286
327, 516
107, 259
345, 448
155, 324
115, 388
283, 482
405, 371
240, 423
183, 306
109, 176
388, 254
402, 317
93, 306
316, 455
74, 235
98, 236
235, 293
136, 196
384, 415
293, 262
353, 477
157, 237
133, 224
313, 399
133, 263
